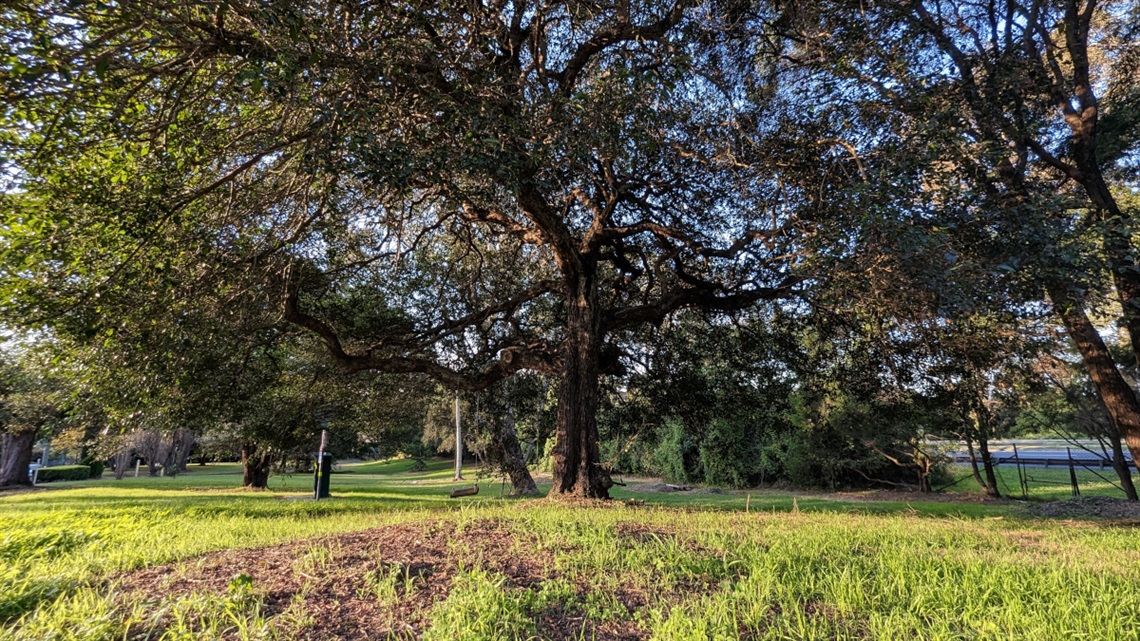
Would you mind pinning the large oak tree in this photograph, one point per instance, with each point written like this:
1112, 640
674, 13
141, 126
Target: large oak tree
456, 189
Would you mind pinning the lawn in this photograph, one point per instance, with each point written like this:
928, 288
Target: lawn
391, 556
1044, 483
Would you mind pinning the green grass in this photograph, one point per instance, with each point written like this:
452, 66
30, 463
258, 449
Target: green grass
704, 568
1045, 483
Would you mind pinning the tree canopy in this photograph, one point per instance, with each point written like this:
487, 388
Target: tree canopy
463, 191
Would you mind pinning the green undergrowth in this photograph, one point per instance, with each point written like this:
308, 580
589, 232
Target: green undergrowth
827, 570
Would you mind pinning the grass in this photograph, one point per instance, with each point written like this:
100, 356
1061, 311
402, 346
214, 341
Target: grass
685, 566
1045, 483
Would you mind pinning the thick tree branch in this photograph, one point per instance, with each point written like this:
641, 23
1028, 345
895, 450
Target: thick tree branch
699, 297
510, 359
621, 31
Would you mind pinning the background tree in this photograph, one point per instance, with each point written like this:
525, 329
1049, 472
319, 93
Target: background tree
1063, 403
32, 404
1017, 123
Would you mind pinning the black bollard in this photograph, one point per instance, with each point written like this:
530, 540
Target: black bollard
321, 475
324, 469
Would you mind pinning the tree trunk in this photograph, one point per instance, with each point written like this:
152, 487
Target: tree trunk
511, 457
184, 450
1117, 396
1123, 470
576, 459
988, 467
122, 461
1126, 278
255, 466
170, 461
16, 456
974, 462
1116, 228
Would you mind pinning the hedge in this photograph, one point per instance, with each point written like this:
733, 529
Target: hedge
64, 473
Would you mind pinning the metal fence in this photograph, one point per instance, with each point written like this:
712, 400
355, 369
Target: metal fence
1029, 465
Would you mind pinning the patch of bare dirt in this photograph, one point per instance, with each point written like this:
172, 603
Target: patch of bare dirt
332, 579
330, 576
334, 585
907, 496
19, 489
559, 624
1123, 511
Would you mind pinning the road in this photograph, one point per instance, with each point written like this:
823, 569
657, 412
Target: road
1041, 453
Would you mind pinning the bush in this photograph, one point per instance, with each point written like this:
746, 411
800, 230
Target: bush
632, 456
96, 466
839, 440
730, 454
64, 473
676, 456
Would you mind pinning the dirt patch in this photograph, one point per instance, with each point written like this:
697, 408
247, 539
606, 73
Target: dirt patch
335, 576
19, 489
1100, 507
333, 579
907, 496
338, 582
560, 624
641, 533
661, 488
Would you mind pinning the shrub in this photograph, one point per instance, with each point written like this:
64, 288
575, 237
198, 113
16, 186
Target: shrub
64, 473
730, 453
676, 455
632, 455
96, 466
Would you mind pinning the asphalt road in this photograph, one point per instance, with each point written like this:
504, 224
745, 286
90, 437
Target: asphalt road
1043, 453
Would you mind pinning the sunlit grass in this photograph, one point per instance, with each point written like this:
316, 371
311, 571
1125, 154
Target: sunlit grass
789, 568
1045, 483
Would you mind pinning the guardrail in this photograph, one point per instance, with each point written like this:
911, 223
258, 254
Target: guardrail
1038, 460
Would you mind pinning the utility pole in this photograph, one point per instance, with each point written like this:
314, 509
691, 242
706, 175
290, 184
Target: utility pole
458, 443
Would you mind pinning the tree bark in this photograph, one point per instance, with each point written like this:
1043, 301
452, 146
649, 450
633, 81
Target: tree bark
511, 457
122, 460
576, 458
974, 462
1083, 120
16, 457
1114, 391
1126, 278
1123, 470
988, 467
186, 445
255, 466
